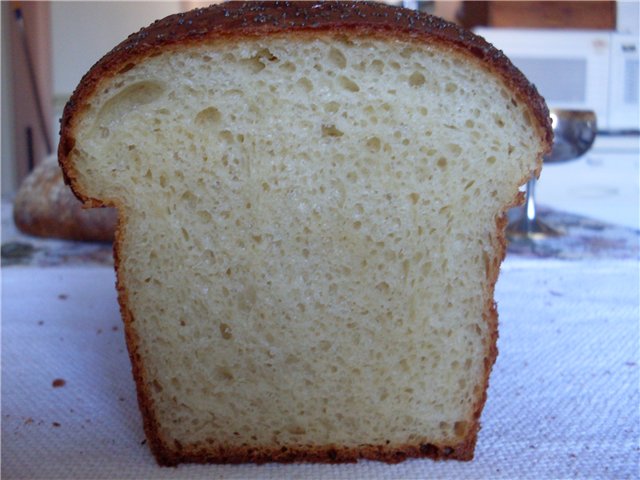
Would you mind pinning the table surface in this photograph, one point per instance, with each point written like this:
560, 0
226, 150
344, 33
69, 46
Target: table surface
563, 401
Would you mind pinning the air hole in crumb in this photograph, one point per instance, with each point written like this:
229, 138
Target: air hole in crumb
337, 58
331, 131
225, 331
288, 67
377, 66
291, 359
205, 216
226, 136
416, 79
373, 144
224, 373
209, 116
383, 287
306, 84
454, 148
297, 430
258, 62
331, 107
426, 268
348, 84
136, 95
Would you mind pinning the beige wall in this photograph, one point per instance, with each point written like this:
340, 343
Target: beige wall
8, 165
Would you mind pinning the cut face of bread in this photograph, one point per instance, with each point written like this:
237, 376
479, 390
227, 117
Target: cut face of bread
310, 232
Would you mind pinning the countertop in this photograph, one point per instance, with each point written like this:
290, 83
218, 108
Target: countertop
563, 401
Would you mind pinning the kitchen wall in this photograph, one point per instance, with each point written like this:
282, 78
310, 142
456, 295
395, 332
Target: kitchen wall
8, 167
628, 16
29, 124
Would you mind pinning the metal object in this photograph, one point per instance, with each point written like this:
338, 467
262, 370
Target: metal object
574, 133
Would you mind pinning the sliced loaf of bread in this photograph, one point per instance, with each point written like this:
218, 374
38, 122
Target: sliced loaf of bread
311, 206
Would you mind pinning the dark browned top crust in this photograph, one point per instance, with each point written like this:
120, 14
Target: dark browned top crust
251, 19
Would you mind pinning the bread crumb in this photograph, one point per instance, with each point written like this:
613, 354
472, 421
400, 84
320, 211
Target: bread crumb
58, 382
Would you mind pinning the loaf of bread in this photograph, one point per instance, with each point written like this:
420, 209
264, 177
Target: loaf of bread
45, 207
312, 201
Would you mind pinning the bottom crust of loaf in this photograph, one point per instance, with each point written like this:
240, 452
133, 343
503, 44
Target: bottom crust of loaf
318, 454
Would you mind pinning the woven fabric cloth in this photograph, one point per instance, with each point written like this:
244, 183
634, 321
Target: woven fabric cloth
563, 400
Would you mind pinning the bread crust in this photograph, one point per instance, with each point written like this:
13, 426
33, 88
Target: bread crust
235, 20
313, 453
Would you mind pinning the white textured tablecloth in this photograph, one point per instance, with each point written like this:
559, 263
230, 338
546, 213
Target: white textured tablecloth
563, 401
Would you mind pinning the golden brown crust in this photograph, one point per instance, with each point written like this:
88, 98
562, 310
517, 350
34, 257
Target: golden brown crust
312, 453
150, 423
244, 20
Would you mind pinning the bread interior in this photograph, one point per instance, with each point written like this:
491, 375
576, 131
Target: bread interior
308, 233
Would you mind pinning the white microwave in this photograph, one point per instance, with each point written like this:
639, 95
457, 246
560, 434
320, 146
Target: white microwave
577, 69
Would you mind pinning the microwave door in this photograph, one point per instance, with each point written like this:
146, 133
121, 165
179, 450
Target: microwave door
624, 84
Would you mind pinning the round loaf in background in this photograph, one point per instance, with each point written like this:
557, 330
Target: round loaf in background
45, 207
